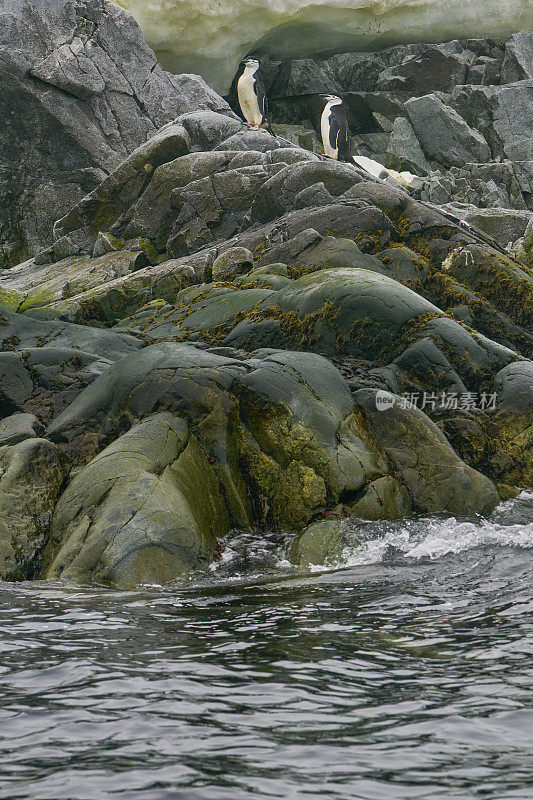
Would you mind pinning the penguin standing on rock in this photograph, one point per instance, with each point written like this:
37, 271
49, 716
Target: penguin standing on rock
251, 94
334, 129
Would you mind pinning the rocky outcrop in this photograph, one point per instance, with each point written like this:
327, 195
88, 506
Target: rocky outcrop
79, 89
276, 435
458, 113
230, 332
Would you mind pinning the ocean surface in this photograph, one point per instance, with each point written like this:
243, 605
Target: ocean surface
403, 672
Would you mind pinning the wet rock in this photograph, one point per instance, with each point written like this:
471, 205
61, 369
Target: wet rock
385, 498
31, 475
436, 479
321, 544
512, 461
285, 418
325, 253
339, 311
145, 510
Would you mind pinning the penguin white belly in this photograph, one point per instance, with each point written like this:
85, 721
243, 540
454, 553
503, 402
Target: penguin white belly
324, 130
248, 100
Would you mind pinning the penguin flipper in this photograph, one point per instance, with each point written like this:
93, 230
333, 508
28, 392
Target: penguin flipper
260, 92
343, 145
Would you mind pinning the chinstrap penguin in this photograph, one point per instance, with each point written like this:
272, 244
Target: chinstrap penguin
251, 94
334, 129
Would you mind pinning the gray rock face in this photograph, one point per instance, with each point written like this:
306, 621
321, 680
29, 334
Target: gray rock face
487, 82
518, 61
404, 151
17, 427
45, 364
81, 90
502, 225
433, 70
443, 134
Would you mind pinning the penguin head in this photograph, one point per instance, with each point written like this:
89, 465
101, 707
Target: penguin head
251, 62
332, 98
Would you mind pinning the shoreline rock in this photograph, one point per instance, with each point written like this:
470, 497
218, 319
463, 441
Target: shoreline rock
204, 343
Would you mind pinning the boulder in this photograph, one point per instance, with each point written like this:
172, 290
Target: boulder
404, 151
17, 427
444, 135
501, 224
503, 115
321, 544
512, 458
436, 69
234, 261
518, 61
145, 510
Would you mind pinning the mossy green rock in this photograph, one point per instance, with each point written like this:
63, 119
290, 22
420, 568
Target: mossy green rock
145, 510
436, 478
385, 498
320, 544
512, 424
116, 299
31, 474
39, 285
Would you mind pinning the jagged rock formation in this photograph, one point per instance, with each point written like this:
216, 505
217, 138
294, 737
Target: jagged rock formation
208, 342
79, 90
459, 114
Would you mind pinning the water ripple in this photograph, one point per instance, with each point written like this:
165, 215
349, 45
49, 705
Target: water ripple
406, 673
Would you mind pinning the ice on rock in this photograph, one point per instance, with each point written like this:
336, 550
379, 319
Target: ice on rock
210, 37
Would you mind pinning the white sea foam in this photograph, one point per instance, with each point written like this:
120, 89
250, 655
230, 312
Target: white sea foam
433, 538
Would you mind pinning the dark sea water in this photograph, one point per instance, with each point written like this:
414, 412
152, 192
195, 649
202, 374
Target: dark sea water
404, 673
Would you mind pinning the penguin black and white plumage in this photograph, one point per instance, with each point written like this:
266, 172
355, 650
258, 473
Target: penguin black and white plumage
334, 129
251, 94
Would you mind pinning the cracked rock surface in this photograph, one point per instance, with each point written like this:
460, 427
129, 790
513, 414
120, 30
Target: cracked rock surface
201, 341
